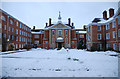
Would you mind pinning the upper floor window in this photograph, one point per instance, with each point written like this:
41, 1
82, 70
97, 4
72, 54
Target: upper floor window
16, 31
114, 24
17, 38
59, 32
107, 26
99, 28
107, 35
118, 32
36, 36
20, 32
17, 23
20, 25
12, 29
3, 18
9, 28
53, 32
4, 27
114, 34
66, 32
99, 36
11, 22
119, 20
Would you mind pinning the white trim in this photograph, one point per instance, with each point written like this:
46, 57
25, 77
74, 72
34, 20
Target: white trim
108, 34
100, 36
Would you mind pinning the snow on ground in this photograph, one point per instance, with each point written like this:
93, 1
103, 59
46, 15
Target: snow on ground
60, 63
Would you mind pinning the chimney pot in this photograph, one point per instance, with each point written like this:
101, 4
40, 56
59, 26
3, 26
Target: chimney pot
69, 21
33, 27
111, 12
105, 15
46, 24
49, 21
72, 24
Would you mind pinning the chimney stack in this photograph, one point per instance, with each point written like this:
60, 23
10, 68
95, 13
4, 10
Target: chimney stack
69, 21
33, 27
46, 24
72, 24
49, 21
105, 15
111, 12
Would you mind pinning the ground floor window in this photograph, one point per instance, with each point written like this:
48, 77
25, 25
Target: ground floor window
99, 46
19, 45
114, 46
107, 46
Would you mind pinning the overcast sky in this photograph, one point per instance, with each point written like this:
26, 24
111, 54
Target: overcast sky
38, 13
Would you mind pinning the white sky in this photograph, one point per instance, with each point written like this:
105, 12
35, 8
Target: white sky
38, 13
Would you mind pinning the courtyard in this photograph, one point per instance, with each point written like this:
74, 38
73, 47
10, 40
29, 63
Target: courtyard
60, 63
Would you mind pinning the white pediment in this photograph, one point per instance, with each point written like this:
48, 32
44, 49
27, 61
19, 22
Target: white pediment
60, 26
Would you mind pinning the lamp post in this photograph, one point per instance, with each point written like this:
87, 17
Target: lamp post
8, 43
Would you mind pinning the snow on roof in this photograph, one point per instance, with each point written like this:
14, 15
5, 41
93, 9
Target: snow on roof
81, 31
103, 21
37, 32
59, 38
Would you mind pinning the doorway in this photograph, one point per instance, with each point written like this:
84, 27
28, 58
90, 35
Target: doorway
59, 45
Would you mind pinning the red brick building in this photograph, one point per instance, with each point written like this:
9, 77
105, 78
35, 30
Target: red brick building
104, 33
52, 36
58, 35
13, 32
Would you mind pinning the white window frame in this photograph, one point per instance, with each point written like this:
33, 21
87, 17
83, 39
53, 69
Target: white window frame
17, 23
107, 26
3, 18
16, 31
107, 35
119, 20
114, 34
114, 46
20, 25
19, 38
66, 32
100, 36
107, 46
59, 32
12, 37
11, 22
5, 28
12, 29
118, 32
4, 35
9, 28
20, 32
36, 36
16, 38
98, 29
113, 24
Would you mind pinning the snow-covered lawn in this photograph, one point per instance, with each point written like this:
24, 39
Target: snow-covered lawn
60, 63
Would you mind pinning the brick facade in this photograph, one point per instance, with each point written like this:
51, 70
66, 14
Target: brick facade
105, 33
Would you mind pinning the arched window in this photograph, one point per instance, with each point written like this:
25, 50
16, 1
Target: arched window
3, 18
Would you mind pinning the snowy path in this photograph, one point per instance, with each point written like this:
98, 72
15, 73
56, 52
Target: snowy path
53, 63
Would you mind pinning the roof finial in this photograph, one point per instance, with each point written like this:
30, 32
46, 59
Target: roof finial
59, 18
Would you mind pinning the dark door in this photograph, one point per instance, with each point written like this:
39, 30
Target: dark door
59, 45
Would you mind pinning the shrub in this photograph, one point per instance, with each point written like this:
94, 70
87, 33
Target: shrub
69, 58
93, 48
11, 47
